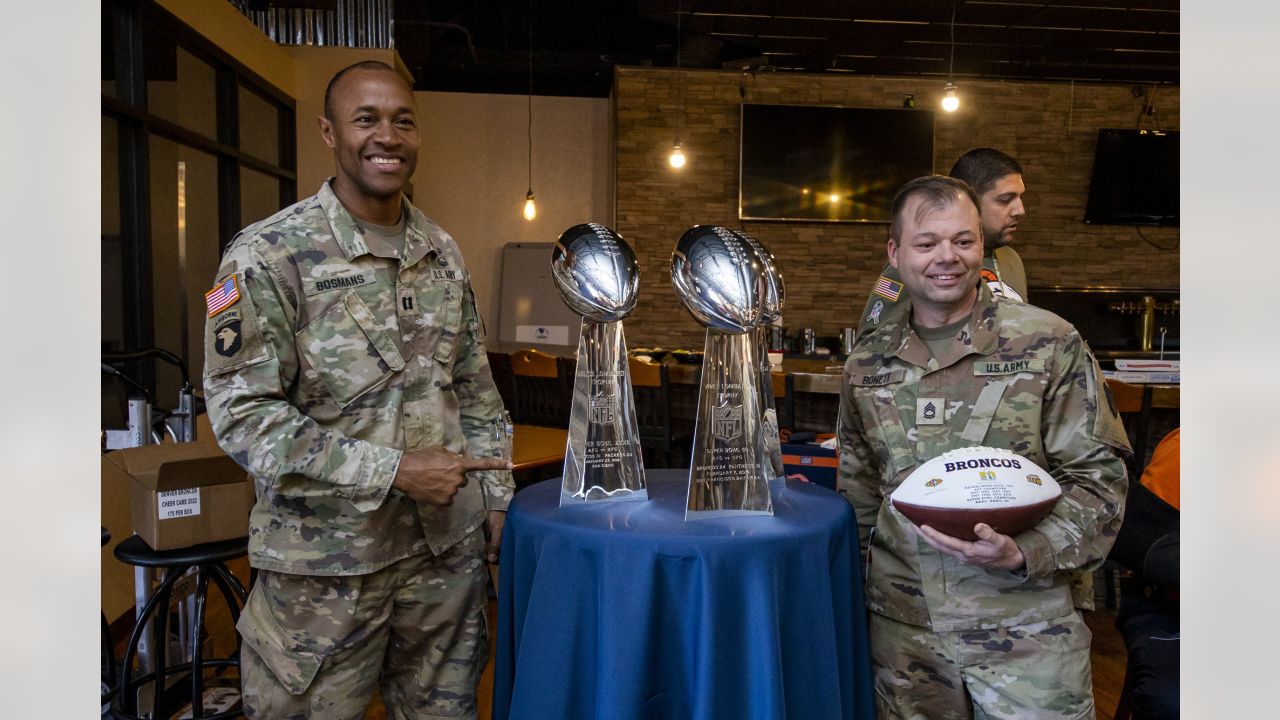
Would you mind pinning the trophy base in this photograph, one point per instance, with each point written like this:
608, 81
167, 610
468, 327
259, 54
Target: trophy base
602, 461
598, 494
728, 472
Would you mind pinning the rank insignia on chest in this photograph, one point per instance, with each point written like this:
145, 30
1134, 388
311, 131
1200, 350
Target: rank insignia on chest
929, 411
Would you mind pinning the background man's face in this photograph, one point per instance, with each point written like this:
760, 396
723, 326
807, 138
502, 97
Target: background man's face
939, 256
373, 133
1001, 209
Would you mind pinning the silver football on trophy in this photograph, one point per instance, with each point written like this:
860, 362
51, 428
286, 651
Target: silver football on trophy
596, 272
775, 291
719, 278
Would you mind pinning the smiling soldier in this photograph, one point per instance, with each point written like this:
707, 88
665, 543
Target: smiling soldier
346, 372
965, 629
997, 180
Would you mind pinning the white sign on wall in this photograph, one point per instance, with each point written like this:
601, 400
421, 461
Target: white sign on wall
548, 334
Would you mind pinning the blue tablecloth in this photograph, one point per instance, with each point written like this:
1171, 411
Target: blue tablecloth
624, 610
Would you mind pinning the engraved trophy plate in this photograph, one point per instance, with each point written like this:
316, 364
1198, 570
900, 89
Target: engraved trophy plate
774, 296
719, 278
599, 278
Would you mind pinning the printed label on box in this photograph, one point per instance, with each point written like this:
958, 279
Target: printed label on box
179, 503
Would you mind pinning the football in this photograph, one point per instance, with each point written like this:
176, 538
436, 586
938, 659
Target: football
775, 294
596, 272
719, 278
958, 489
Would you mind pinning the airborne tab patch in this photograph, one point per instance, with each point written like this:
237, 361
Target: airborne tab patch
227, 334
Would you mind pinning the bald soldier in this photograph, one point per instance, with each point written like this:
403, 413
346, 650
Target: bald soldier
997, 179
964, 629
345, 370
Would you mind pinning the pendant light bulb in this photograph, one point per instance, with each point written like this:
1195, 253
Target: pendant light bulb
530, 207
677, 158
950, 101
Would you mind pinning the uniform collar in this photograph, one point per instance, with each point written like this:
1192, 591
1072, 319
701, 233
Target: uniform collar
418, 231
979, 335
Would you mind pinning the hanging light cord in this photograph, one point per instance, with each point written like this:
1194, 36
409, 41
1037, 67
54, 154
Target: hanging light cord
951, 65
679, 74
530, 96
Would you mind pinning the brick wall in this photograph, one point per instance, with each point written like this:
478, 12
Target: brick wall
1050, 127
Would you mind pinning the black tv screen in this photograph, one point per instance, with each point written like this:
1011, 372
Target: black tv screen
1135, 178
832, 164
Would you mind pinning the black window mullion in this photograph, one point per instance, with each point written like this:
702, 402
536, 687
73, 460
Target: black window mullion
288, 155
135, 214
228, 167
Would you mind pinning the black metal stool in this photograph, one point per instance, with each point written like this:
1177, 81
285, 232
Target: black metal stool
208, 559
108, 650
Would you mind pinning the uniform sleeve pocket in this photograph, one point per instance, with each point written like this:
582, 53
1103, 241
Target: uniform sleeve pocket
292, 663
350, 351
448, 319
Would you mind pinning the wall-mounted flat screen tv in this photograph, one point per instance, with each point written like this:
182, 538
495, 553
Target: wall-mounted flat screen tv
829, 164
1135, 178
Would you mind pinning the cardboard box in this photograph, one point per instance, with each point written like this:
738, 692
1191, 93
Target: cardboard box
182, 494
811, 461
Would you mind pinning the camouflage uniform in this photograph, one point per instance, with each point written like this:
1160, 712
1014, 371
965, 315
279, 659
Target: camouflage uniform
1020, 378
1003, 272
889, 300
330, 359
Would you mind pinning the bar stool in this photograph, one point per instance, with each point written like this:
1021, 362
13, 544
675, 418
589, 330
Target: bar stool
108, 650
208, 559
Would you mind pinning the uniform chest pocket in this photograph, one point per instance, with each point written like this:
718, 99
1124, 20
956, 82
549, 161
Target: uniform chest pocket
1010, 402
349, 349
888, 437
441, 302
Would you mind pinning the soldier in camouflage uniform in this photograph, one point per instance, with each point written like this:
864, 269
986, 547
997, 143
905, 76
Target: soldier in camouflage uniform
997, 178
988, 628
346, 371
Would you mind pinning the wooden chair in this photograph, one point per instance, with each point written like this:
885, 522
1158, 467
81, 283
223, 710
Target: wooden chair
538, 394
666, 441
500, 367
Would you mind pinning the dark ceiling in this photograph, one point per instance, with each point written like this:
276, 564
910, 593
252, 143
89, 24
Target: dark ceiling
466, 46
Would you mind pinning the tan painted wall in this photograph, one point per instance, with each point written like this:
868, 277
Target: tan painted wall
223, 25
473, 172
829, 267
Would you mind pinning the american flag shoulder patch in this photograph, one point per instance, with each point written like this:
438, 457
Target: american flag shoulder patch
223, 296
887, 289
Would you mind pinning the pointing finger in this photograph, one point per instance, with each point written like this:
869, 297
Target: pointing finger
475, 464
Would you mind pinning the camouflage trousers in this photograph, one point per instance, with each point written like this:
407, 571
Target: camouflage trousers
1029, 672
315, 646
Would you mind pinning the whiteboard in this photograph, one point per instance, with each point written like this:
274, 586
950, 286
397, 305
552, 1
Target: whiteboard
531, 312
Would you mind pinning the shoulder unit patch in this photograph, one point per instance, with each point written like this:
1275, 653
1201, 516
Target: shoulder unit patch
223, 296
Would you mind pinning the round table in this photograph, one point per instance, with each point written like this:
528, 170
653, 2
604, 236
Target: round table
624, 610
